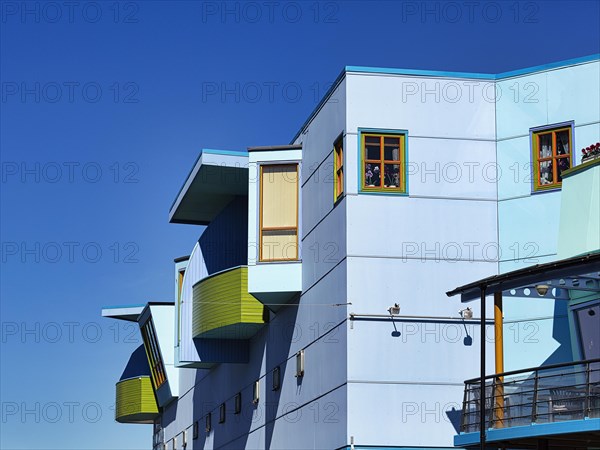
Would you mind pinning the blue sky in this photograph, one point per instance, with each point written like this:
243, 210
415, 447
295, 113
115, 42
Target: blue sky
104, 108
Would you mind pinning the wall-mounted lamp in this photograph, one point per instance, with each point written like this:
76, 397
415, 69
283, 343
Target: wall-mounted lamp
466, 313
591, 312
541, 289
394, 310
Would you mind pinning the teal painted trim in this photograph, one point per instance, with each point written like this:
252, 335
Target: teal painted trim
213, 151
581, 168
500, 76
139, 305
549, 66
312, 115
359, 178
531, 431
475, 75
419, 72
376, 447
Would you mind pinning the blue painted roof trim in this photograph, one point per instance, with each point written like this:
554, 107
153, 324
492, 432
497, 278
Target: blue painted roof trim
437, 73
531, 431
139, 305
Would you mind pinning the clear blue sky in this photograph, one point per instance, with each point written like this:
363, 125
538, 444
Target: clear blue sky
104, 108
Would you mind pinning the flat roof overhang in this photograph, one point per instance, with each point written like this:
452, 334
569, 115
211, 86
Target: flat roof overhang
216, 178
555, 273
130, 313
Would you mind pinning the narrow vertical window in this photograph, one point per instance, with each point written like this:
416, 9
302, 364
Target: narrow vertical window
157, 368
552, 155
338, 168
208, 423
383, 159
279, 212
237, 403
276, 378
222, 412
180, 275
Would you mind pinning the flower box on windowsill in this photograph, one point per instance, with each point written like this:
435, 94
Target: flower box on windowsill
590, 158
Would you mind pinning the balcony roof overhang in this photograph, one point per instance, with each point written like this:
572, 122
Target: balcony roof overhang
559, 274
130, 313
216, 178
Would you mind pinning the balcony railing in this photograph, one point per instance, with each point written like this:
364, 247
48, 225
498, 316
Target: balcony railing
545, 394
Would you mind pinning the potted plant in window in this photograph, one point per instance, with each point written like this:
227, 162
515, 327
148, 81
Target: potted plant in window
590, 153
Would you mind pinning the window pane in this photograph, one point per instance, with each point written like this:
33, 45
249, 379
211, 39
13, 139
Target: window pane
373, 151
392, 175
372, 175
545, 145
562, 143
279, 244
546, 176
391, 148
563, 164
279, 186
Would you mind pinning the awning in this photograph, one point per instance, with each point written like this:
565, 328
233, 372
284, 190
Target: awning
216, 178
579, 272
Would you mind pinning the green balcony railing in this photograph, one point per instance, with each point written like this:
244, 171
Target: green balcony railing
223, 308
135, 402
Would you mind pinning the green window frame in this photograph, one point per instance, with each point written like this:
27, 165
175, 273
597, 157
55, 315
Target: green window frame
552, 154
383, 161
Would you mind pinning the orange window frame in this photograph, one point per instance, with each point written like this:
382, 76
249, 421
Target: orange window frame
338, 168
155, 362
381, 162
553, 158
260, 215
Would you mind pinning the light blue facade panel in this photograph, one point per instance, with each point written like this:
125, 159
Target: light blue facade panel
574, 94
521, 104
404, 415
528, 226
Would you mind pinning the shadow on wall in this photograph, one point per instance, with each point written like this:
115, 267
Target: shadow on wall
224, 243
270, 346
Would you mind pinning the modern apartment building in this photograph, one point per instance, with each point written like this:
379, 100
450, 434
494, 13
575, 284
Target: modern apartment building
312, 311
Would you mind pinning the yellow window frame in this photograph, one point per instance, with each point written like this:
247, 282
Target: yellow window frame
401, 188
554, 158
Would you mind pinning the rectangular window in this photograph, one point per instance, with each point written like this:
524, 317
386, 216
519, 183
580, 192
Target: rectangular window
180, 276
276, 378
552, 155
383, 162
237, 403
278, 212
208, 423
222, 413
157, 368
338, 168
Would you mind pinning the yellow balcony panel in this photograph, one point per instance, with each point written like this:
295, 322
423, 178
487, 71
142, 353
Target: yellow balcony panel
135, 401
223, 308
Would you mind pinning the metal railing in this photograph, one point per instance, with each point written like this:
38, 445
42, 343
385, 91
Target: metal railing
553, 393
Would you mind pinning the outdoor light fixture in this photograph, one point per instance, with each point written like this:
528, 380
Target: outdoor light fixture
541, 289
394, 310
466, 313
591, 312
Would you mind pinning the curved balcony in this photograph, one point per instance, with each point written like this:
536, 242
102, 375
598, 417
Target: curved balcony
135, 402
223, 308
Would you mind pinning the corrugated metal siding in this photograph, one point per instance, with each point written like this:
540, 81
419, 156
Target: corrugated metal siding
134, 397
223, 301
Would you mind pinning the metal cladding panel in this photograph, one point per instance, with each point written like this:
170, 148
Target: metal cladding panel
411, 416
135, 401
528, 226
417, 228
427, 107
195, 272
224, 309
